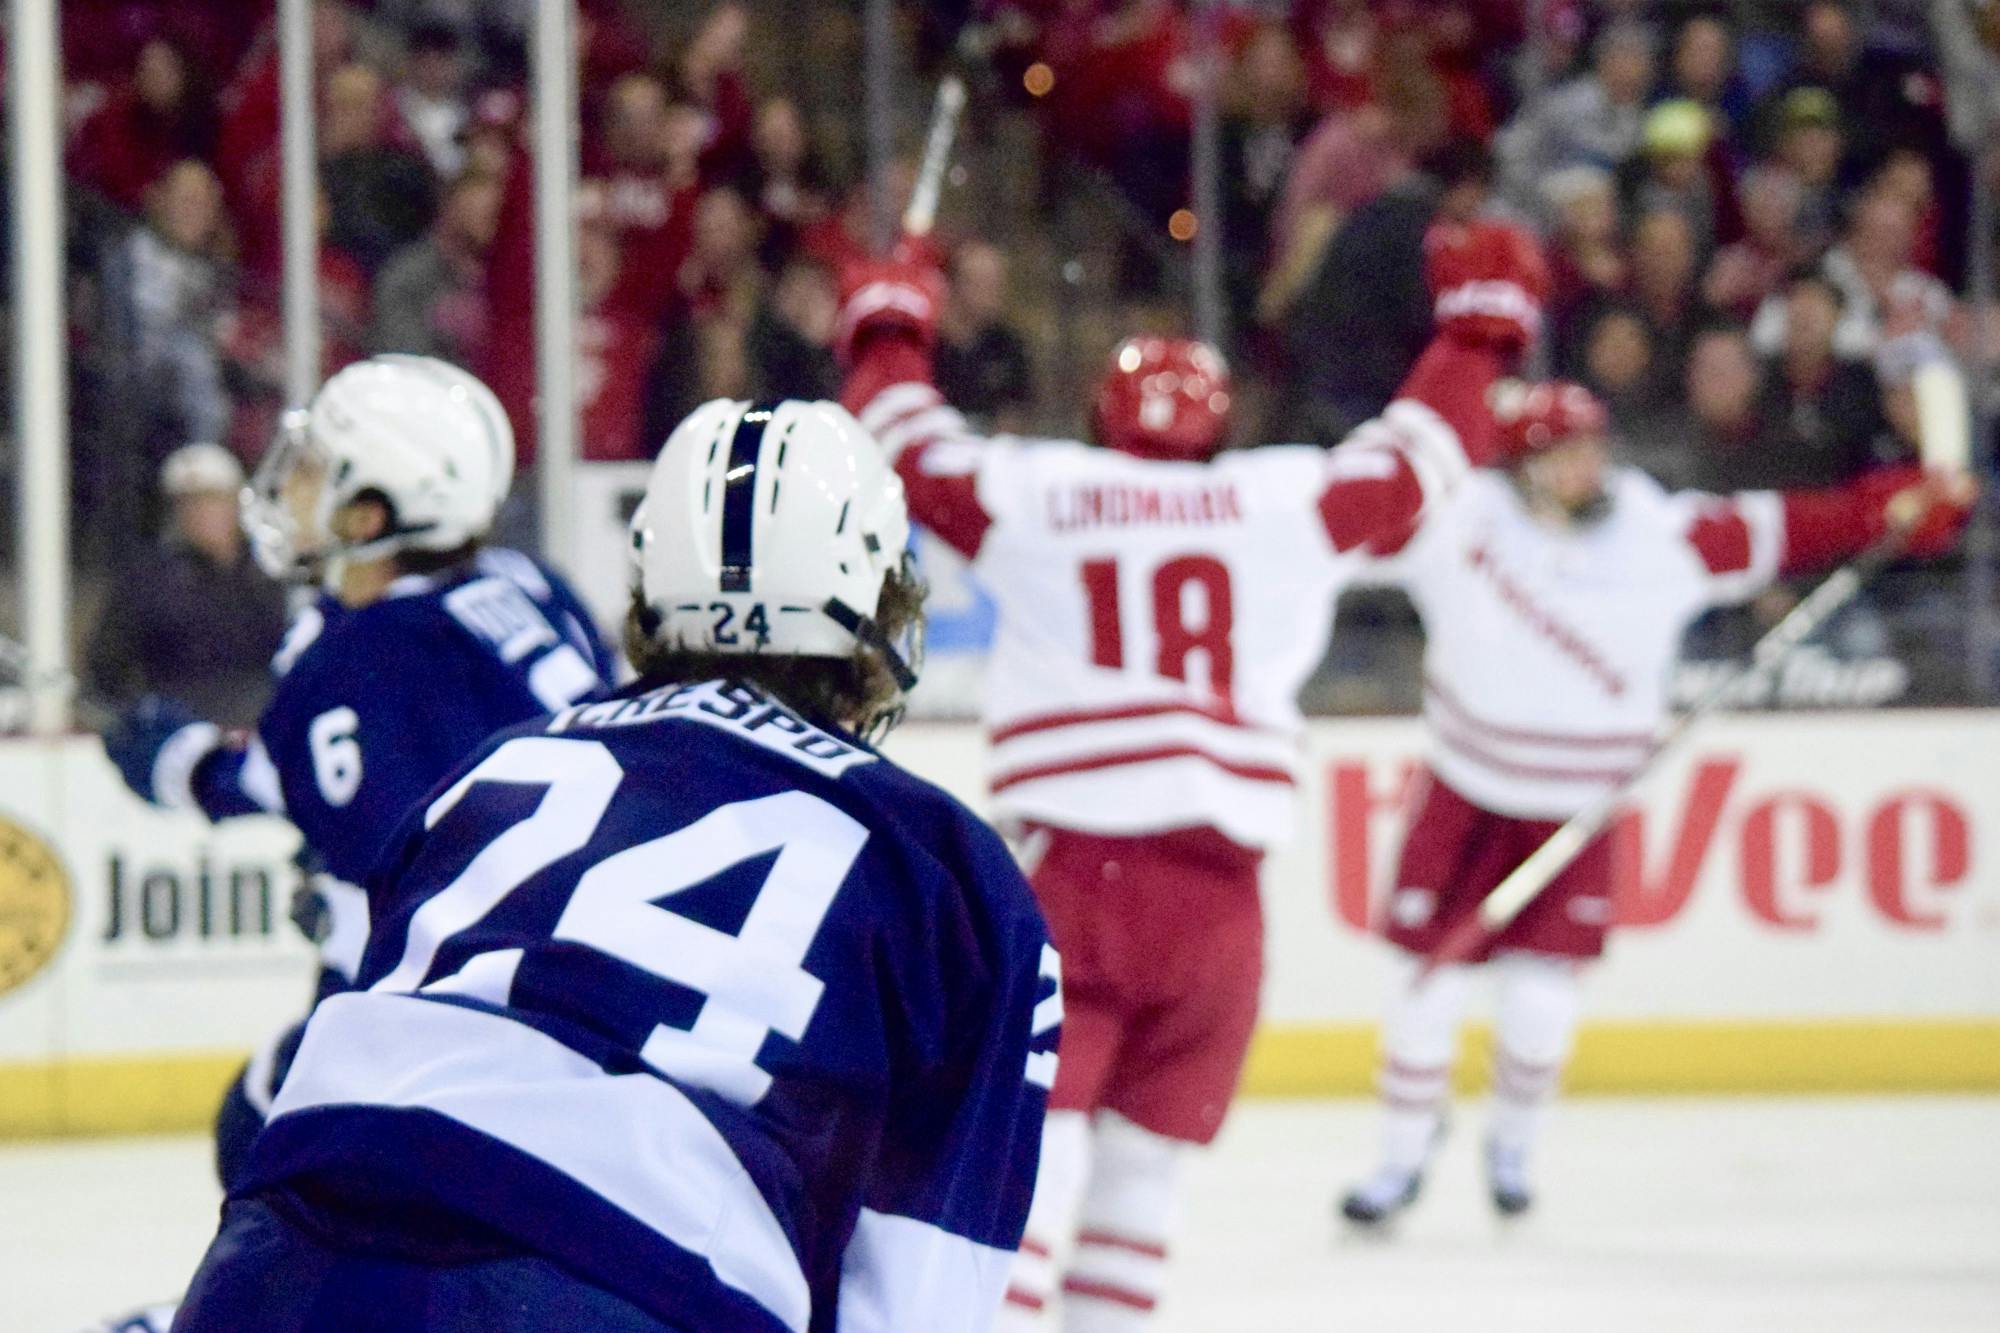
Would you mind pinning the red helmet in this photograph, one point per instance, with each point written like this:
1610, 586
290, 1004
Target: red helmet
1534, 417
1163, 398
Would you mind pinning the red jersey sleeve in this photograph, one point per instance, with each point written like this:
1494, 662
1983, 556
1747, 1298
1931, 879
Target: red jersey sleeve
889, 390
1383, 476
1738, 541
1747, 541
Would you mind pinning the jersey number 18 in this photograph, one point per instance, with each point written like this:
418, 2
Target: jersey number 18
1192, 615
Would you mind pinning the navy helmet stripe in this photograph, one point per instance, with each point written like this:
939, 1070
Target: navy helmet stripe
739, 497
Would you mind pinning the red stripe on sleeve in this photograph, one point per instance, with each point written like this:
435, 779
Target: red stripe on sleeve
1721, 537
1379, 512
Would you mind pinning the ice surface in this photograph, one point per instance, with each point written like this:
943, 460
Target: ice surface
1833, 1215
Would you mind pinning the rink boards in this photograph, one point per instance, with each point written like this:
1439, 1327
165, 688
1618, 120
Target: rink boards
1815, 905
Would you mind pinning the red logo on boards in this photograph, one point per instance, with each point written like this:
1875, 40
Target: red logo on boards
1910, 848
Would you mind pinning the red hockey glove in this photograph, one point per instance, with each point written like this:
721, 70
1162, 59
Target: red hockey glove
1933, 507
1489, 282
884, 295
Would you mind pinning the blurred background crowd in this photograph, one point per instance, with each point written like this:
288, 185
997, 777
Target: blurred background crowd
1762, 217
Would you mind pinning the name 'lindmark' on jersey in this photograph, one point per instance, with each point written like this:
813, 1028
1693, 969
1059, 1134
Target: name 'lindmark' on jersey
1082, 507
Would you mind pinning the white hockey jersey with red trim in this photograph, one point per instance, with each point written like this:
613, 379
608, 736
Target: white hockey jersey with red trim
1156, 619
1549, 651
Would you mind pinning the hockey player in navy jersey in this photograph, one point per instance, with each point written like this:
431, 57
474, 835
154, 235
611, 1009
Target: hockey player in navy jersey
686, 1010
420, 644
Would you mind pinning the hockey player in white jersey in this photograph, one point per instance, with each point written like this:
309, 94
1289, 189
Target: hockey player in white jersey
1159, 607
1554, 595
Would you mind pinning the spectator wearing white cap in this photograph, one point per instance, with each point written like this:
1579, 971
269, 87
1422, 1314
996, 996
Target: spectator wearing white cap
196, 620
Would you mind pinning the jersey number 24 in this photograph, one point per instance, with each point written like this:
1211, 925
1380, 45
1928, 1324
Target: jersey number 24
755, 980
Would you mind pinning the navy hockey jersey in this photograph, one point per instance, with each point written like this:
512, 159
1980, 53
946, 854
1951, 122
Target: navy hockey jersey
717, 1009
374, 705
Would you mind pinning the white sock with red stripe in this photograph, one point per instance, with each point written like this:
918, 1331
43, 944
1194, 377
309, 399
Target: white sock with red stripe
1419, 1039
1541, 997
1118, 1270
1059, 1185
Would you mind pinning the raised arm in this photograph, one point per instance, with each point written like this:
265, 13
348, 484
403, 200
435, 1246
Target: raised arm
1746, 542
888, 325
1488, 281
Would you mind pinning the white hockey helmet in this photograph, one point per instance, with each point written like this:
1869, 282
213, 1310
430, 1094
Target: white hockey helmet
500, 430
391, 426
772, 528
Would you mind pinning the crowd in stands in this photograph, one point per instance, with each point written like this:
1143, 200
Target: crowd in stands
708, 242
1756, 212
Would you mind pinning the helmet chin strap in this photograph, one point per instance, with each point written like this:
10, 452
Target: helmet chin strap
335, 561
868, 631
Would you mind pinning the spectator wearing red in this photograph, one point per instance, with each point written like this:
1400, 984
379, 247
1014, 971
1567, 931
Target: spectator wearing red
256, 345
709, 75
101, 38
615, 351
247, 158
161, 115
1452, 40
1337, 40
644, 172
642, 176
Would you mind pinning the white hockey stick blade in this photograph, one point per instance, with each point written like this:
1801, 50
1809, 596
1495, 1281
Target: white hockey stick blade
921, 215
1944, 417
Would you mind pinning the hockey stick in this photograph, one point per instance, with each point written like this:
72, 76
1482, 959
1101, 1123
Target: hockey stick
1944, 435
921, 215
1512, 895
